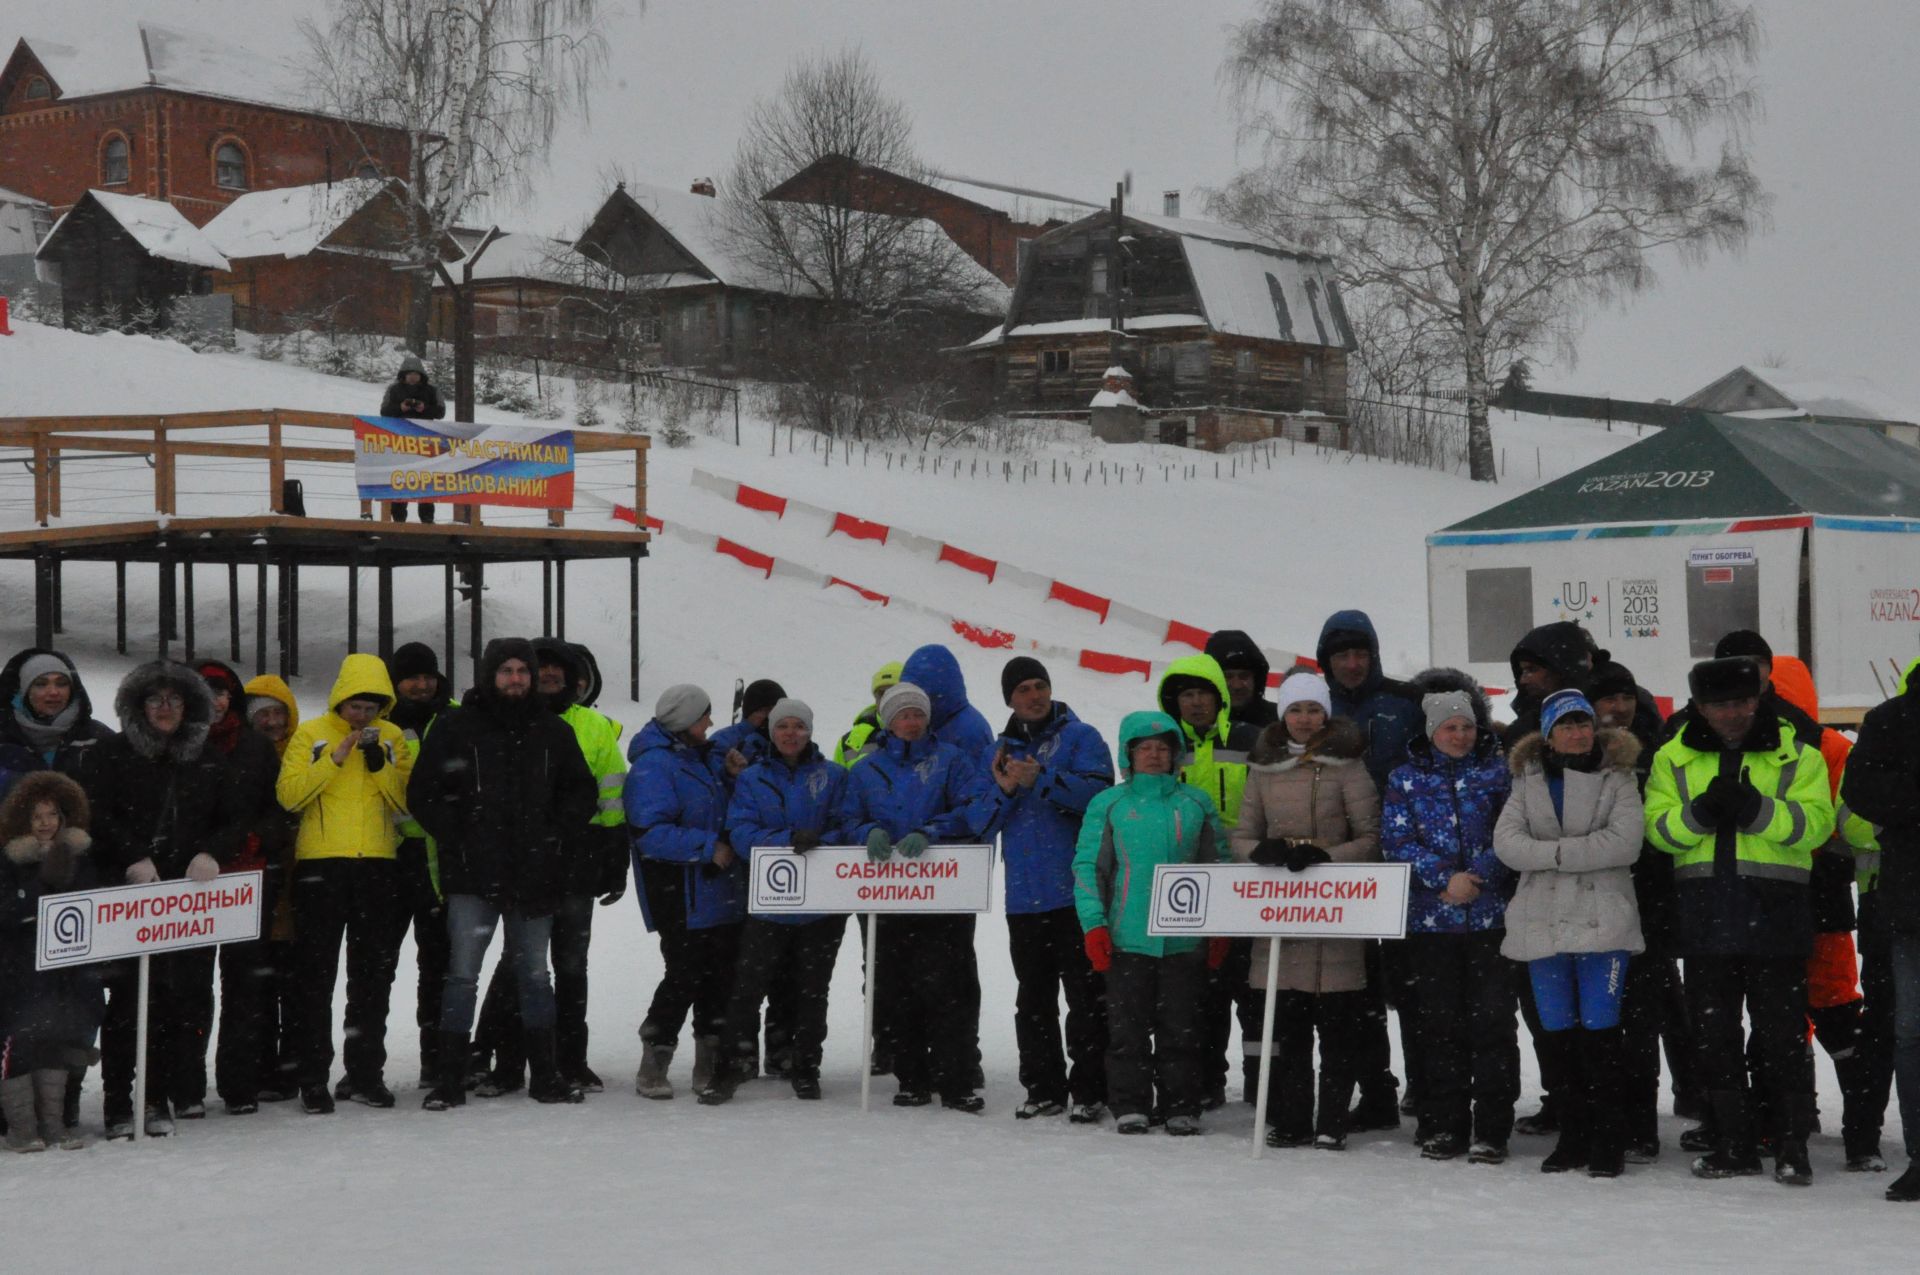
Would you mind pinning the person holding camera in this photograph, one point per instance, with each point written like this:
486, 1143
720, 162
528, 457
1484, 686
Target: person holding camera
344, 773
412, 397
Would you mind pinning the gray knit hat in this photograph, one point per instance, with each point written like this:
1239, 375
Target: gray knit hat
787, 706
902, 695
38, 666
680, 707
1442, 707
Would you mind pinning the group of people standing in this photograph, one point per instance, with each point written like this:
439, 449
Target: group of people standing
1561, 870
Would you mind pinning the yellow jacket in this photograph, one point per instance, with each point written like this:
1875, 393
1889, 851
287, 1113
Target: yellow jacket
346, 811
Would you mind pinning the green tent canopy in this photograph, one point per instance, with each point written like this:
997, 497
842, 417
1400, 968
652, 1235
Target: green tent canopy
1722, 467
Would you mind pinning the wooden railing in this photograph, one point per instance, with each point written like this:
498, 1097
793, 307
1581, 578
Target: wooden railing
158, 437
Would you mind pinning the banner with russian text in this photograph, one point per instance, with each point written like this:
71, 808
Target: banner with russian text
1246, 900
457, 461
136, 920
843, 879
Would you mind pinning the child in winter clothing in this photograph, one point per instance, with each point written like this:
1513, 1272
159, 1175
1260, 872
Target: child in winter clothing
49, 1017
1572, 829
1438, 815
1309, 801
1154, 984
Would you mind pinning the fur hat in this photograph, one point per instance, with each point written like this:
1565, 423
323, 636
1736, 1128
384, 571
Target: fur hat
1718, 680
130, 705
679, 707
1743, 642
902, 695
16, 812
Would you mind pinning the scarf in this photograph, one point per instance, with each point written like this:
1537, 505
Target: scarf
45, 736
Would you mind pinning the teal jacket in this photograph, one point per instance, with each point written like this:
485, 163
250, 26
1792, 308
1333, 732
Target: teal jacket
1129, 830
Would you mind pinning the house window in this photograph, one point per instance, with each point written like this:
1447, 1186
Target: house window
1245, 362
229, 166
1311, 434
1099, 276
114, 167
647, 331
1056, 361
38, 90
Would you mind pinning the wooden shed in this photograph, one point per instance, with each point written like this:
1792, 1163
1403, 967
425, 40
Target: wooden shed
125, 251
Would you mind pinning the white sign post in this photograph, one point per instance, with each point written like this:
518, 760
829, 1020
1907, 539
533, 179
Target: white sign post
842, 879
139, 920
1246, 900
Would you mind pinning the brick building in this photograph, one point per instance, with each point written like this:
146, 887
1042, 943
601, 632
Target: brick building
173, 115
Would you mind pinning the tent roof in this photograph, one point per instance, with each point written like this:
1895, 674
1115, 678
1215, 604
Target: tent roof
1734, 468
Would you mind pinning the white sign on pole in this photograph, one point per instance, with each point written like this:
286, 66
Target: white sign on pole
843, 879
140, 920
1246, 900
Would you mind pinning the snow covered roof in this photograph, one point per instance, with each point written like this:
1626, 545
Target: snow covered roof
1020, 204
152, 55
1800, 392
20, 220
516, 255
289, 222
15, 197
1251, 290
157, 226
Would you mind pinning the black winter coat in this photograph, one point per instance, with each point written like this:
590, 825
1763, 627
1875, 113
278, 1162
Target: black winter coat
18, 754
53, 1007
398, 393
507, 797
165, 799
1882, 786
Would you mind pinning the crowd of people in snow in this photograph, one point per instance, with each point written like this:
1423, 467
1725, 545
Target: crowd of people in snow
1563, 869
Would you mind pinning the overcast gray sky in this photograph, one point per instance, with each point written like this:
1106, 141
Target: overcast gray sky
1067, 95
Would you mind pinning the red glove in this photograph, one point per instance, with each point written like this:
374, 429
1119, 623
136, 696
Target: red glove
1100, 949
1217, 952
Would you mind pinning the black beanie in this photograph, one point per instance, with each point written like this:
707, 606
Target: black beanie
412, 660
1718, 680
1743, 642
764, 693
1021, 668
1611, 679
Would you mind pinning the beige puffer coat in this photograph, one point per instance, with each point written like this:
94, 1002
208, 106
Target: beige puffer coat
1323, 796
1576, 878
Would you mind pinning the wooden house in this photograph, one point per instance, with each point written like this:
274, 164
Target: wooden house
1206, 318
122, 252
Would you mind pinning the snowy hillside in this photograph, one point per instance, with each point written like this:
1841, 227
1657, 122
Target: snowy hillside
505, 1186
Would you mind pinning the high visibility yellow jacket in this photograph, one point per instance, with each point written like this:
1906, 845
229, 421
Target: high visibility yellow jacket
346, 811
1215, 760
1742, 890
599, 737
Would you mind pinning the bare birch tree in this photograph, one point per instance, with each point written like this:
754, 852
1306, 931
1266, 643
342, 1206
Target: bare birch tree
477, 86
1500, 165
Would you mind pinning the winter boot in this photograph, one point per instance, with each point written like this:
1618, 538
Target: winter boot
1860, 1116
450, 1086
429, 1056
706, 1062
1735, 1156
651, 1080
1906, 1187
547, 1084
1603, 1065
1544, 1121
50, 1101
1560, 1052
16, 1098
1379, 1106
1791, 1166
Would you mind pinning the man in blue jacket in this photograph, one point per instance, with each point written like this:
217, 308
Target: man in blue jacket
1049, 765
1388, 717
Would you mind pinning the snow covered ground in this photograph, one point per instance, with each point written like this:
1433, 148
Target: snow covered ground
767, 1181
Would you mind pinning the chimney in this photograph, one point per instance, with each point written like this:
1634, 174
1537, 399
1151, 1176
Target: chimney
1170, 203
703, 186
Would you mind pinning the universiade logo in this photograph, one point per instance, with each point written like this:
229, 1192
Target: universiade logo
783, 882
1183, 901
72, 929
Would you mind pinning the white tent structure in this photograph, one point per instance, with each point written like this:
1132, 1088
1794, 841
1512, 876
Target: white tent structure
1807, 531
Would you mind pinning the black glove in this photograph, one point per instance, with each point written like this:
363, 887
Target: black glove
1745, 801
1712, 807
1302, 855
1270, 853
803, 840
376, 756
615, 859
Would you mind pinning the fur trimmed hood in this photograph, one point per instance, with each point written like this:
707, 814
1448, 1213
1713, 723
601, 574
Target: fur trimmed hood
1335, 744
1619, 750
25, 851
16, 812
129, 705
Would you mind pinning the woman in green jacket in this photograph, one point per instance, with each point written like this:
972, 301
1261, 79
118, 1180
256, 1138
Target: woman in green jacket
1154, 984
